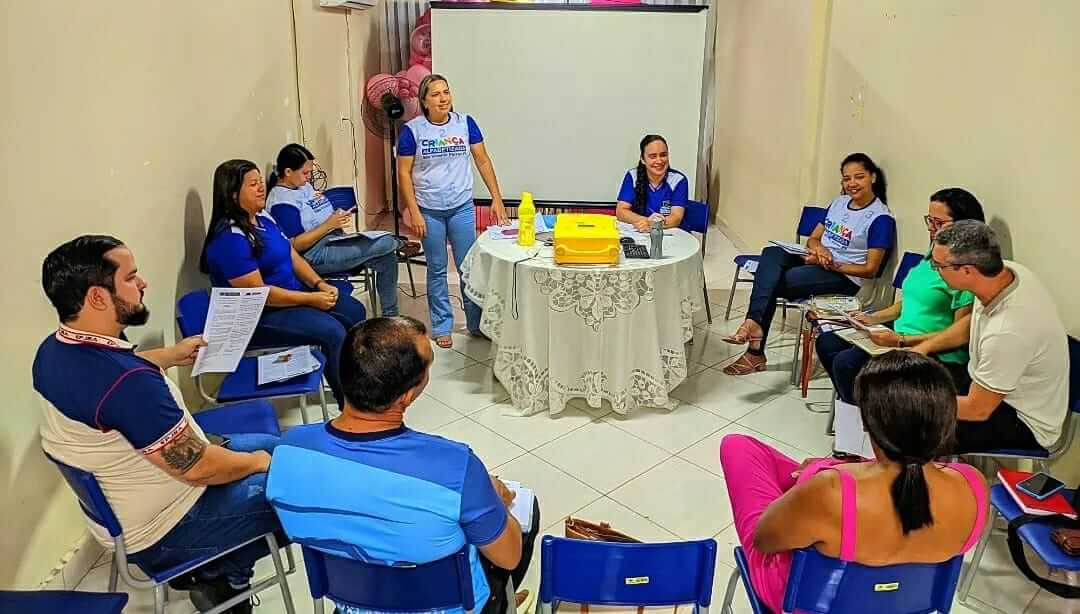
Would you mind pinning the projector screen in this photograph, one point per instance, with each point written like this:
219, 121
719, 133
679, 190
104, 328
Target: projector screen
564, 95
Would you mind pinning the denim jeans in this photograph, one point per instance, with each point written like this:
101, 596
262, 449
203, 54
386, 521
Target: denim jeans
224, 516
459, 226
344, 256
310, 326
783, 275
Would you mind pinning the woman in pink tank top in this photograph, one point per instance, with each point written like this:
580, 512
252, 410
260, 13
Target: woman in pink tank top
900, 507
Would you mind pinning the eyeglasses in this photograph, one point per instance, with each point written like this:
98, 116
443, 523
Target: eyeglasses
934, 222
937, 266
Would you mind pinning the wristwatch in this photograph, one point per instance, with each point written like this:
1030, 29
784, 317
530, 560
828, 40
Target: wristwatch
903, 341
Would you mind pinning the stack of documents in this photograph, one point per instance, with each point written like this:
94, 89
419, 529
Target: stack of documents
367, 234
523, 503
231, 320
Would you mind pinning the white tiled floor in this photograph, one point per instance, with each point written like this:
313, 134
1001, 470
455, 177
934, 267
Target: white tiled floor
652, 474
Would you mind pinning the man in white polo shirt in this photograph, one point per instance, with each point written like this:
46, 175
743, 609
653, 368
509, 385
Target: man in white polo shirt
1019, 366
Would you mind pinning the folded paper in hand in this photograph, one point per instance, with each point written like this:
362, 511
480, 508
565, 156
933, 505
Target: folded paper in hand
522, 507
851, 437
791, 248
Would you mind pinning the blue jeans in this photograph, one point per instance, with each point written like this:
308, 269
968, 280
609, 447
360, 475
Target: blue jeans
224, 516
459, 226
310, 326
783, 275
345, 256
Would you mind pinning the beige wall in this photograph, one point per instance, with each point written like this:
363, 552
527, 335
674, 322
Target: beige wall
968, 92
114, 116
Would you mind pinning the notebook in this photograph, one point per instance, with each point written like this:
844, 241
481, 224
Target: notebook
1056, 504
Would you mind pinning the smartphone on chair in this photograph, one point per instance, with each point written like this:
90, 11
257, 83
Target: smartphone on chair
1039, 486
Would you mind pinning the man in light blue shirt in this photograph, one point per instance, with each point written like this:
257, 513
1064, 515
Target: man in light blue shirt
364, 486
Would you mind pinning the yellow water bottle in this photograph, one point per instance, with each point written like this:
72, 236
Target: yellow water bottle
526, 220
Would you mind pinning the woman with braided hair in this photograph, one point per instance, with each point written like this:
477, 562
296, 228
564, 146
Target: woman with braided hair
653, 190
900, 507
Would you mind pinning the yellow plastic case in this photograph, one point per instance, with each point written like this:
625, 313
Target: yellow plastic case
586, 238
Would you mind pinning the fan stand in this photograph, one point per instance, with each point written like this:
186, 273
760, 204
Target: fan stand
396, 207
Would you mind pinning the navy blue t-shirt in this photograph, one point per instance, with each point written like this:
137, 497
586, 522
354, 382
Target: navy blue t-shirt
230, 255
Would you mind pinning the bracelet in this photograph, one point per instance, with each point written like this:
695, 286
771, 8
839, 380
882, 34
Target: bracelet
903, 341
317, 282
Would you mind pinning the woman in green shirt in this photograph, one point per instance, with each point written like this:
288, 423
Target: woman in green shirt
926, 308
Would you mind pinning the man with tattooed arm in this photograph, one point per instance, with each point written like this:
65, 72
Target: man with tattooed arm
110, 410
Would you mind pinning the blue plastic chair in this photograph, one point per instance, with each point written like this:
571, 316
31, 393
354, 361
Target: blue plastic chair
696, 219
96, 507
62, 601
442, 584
242, 384
810, 217
344, 197
1042, 458
1035, 535
606, 573
819, 584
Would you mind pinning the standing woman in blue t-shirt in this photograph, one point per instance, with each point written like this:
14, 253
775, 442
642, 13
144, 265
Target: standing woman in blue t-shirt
846, 251
653, 190
434, 173
244, 248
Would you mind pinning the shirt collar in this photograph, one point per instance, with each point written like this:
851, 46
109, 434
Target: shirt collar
66, 334
1005, 292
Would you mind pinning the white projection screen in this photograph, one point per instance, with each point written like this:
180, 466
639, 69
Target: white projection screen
564, 95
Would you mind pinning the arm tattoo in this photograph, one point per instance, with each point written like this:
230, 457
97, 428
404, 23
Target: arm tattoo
183, 453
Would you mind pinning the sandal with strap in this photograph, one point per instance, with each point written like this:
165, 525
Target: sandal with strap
741, 336
445, 342
746, 364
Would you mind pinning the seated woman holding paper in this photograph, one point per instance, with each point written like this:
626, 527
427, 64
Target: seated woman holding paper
844, 252
653, 190
244, 248
900, 507
927, 308
316, 229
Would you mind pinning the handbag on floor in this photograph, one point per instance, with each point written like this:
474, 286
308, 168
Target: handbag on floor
576, 528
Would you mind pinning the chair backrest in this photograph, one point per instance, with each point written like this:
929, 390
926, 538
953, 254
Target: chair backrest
91, 499
341, 197
819, 584
442, 584
695, 217
907, 262
191, 312
605, 573
810, 217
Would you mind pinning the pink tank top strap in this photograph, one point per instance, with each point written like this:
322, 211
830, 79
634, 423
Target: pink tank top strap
848, 516
978, 488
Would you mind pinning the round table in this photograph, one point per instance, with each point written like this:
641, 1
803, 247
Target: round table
606, 332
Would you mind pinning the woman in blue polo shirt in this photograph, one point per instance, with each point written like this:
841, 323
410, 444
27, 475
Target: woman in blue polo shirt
434, 155
244, 248
316, 229
652, 190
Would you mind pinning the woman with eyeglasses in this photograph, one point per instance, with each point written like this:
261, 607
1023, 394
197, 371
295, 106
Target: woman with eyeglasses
927, 308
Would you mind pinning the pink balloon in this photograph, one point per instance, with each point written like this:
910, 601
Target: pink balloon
416, 73
412, 108
420, 40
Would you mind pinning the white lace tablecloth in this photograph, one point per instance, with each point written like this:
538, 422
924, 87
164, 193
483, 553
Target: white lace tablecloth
613, 332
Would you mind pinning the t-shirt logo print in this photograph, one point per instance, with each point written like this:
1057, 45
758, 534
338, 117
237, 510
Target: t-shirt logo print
840, 233
443, 146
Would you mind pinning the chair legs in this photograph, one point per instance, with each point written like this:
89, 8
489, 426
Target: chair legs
282, 578
830, 426
373, 299
730, 296
322, 403
726, 606
798, 342
708, 308
159, 598
973, 567
114, 575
